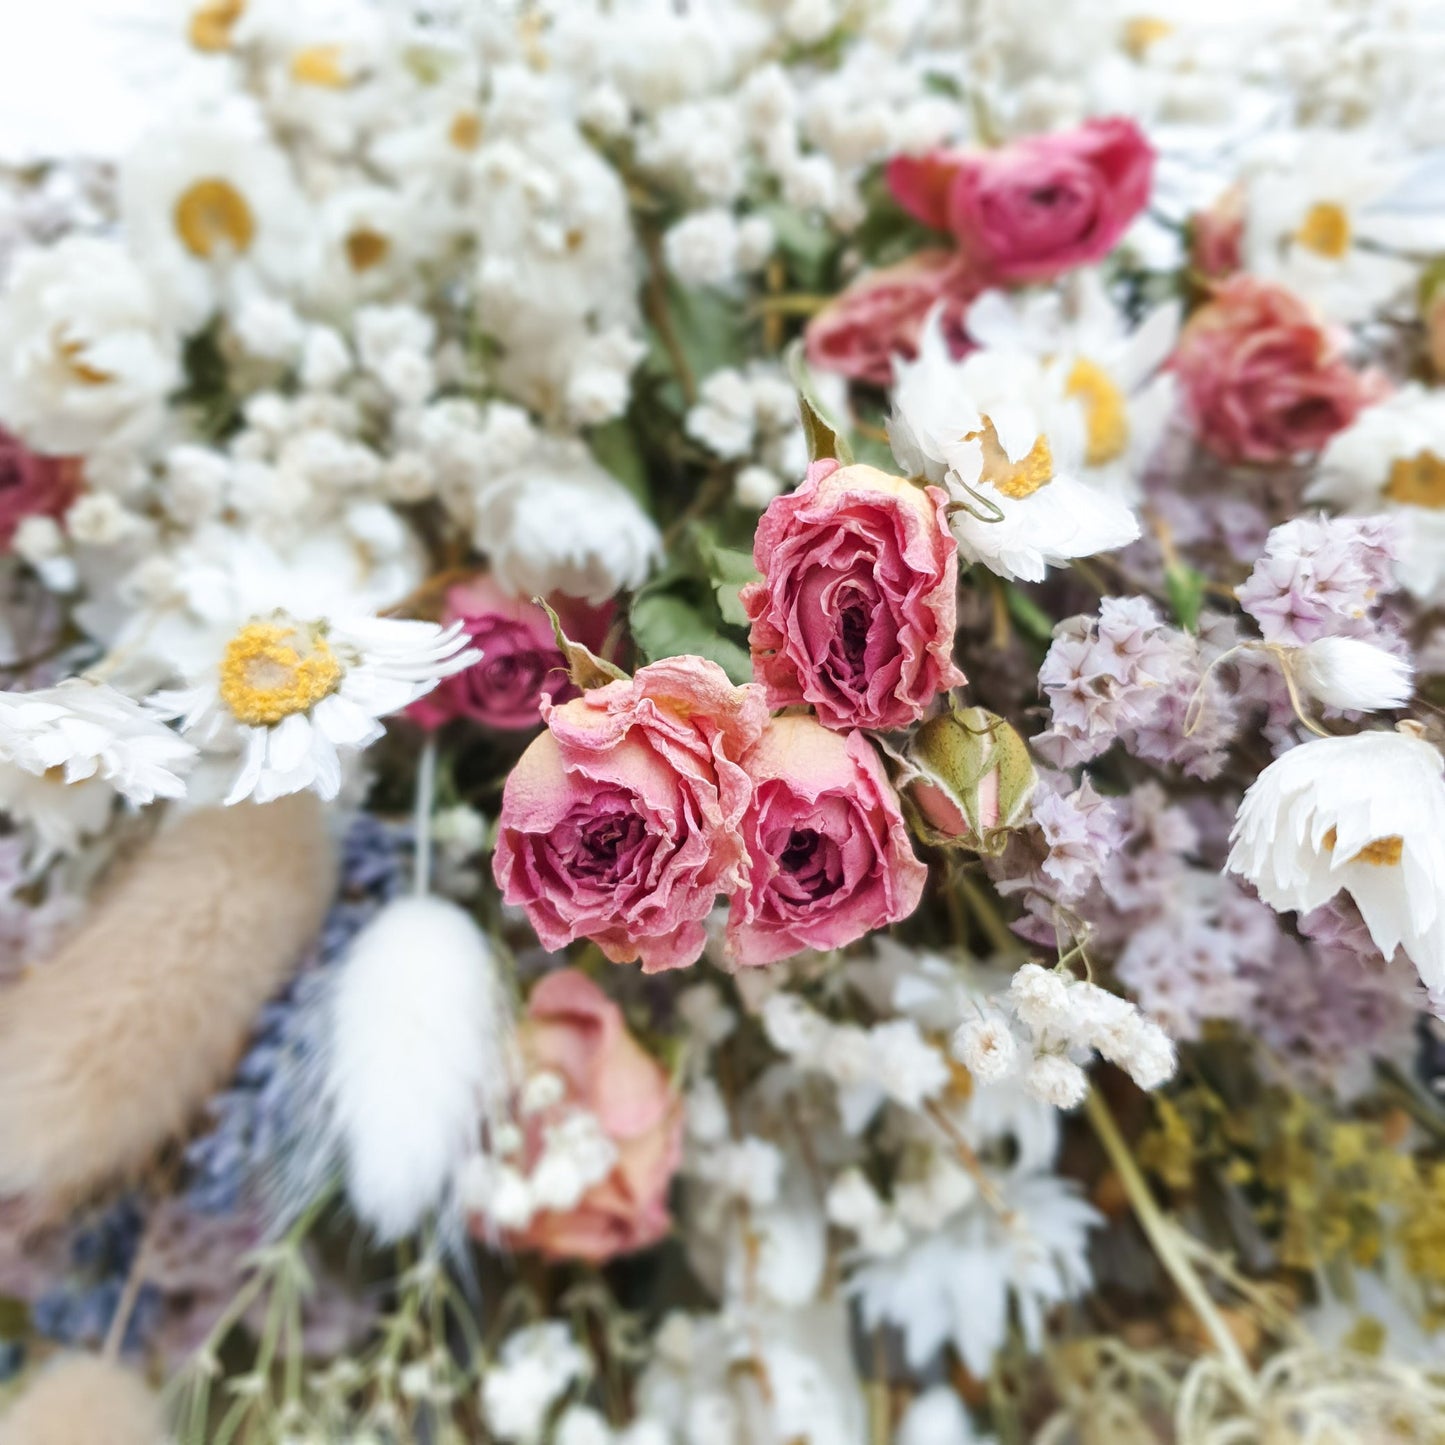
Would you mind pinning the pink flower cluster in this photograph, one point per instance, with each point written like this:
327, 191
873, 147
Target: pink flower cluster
1023, 212
648, 797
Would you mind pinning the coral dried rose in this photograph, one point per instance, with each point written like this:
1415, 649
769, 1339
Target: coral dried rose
1037, 206
855, 612
1262, 378
32, 485
622, 822
831, 860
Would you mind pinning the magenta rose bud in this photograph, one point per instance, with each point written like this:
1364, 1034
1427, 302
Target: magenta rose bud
623, 821
520, 663
1263, 380
1037, 206
32, 485
856, 610
882, 314
831, 860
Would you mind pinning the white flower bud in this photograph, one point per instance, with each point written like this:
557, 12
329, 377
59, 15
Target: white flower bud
1348, 673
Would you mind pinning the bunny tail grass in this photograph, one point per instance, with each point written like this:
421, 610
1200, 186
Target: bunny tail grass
82, 1400
108, 1048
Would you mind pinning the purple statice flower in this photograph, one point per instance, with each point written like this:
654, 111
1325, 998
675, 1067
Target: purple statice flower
1127, 676
1080, 830
1320, 577
255, 1117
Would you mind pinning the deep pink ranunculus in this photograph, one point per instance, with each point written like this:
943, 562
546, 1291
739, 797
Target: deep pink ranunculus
1037, 206
622, 822
572, 1029
882, 313
32, 485
855, 612
1263, 379
520, 663
831, 860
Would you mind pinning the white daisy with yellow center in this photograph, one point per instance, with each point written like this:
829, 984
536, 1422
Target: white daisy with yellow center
212, 212
1363, 814
1392, 459
298, 692
999, 432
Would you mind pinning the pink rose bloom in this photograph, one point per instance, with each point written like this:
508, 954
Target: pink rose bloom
32, 485
622, 822
1216, 237
856, 610
520, 663
882, 313
831, 860
1037, 206
572, 1029
1262, 379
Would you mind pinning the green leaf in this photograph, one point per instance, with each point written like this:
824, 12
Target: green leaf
667, 624
586, 669
1185, 587
825, 439
808, 246
1029, 615
616, 447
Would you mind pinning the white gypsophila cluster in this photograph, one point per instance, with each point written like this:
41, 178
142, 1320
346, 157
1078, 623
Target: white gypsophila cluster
534, 1367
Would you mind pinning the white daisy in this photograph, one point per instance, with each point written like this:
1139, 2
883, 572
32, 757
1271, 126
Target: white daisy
67, 751
998, 431
1365, 814
1110, 371
1392, 459
85, 359
1319, 219
213, 213
294, 692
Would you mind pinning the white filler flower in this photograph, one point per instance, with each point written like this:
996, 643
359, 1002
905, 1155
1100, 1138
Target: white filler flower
1365, 814
300, 690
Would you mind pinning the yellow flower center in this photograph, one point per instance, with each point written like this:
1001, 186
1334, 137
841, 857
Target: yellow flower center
72, 358
366, 248
1378, 852
1143, 31
1325, 230
212, 23
465, 131
1013, 479
273, 669
320, 65
212, 214
1106, 413
1417, 481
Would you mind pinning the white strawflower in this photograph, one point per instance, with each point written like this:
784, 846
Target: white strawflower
987, 1048
1347, 673
416, 1058
85, 359
1056, 1080
67, 751
1365, 814
294, 692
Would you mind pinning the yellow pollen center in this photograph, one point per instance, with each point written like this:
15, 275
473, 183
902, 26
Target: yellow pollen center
1378, 852
1014, 479
212, 214
212, 23
366, 248
273, 669
72, 358
1325, 230
1417, 481
319, 65
465, 131
1106, 413
1143, 31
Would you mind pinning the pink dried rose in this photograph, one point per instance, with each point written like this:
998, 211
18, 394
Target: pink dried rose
882, 313
1216, 237
1263, 380
32, 485
574, 1031
1037, 206
831, 860
622, 822
856, 609
520, 663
